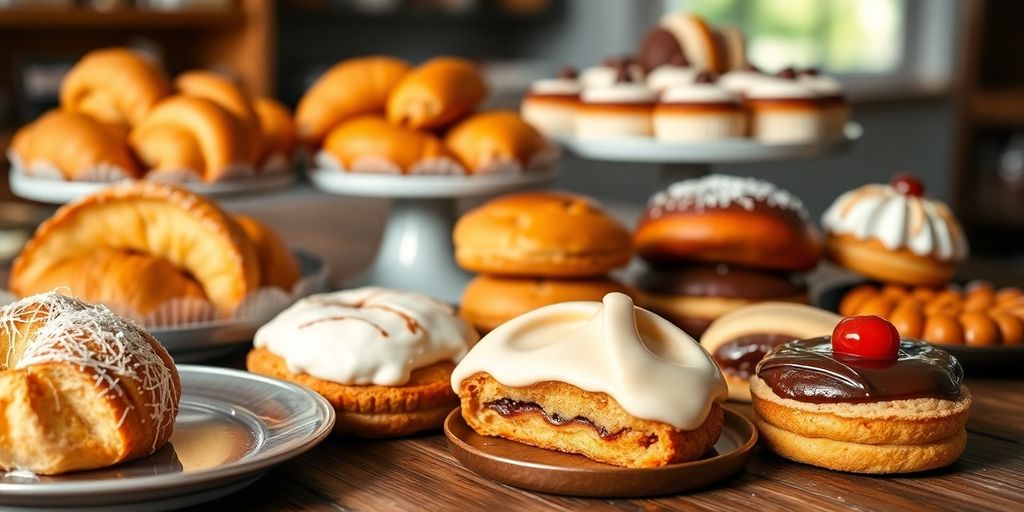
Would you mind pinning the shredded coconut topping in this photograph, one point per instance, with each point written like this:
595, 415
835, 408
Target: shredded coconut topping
721, 191
94, 338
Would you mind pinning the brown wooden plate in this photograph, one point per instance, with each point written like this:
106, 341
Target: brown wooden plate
537, 469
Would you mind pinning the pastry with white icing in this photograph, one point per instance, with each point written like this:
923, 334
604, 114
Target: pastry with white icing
698, 111
80, 387
383, 358
837, 110
785, 111
894, 233
551, 104
621, 109
607, 380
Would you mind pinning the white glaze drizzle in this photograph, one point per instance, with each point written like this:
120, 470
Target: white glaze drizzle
92, 337
923, 226
366, 336
651, 368
720, 191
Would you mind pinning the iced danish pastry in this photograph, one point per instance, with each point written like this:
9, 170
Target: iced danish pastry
605, 380
383, 358
72, 146
862, 401
437, 93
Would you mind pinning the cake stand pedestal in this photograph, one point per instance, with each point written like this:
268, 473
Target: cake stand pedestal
416, 252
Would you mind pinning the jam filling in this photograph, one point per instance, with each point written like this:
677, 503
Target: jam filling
509, 407
740, 356
808, 371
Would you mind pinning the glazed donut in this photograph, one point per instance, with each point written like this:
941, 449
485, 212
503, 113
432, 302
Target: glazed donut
82, 387
371, 144
228, 94
892, 233
541, 234
437, 93
72, 146
979, 315
185, 138
494, 141
117, 86
726, 219
348, 89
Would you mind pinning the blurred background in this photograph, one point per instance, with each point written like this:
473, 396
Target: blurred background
936, 84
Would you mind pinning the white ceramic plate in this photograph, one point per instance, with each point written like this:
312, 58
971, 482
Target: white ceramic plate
59, 192
425, 186
650, 150
232, 427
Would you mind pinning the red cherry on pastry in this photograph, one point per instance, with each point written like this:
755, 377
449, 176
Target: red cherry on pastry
907, 184
868, 337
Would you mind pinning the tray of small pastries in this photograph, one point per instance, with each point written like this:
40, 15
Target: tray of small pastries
122, 118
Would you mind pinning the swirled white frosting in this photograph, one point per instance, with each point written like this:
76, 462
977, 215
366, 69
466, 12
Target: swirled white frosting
666, 76
698, 93
619, 93
740, 80
779, 88
822, 84
650, 367
923, 226
366, 336
556, 86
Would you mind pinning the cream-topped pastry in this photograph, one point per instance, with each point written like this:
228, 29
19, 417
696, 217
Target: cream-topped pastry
894, 233
608, 72
607, 380
677, 71
785, 111
739, 81
623, 108
365, 336
837, 110
551, 104
701, 110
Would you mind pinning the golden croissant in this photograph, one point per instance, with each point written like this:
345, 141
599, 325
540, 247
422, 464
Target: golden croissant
373, 138
437, 93
80, 387
118, 86
195, 137
348, 89
228, 94
278, 266
278, 130
78, 146
494, 137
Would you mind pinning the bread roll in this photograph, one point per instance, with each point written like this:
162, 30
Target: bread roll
499, 137
78, 146
436, 93
372, 144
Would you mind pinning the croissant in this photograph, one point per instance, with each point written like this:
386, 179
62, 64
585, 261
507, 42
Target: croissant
130, 283
348, 89
278, 130
81, 388
78, 146
166, 222
114, 85
228, 94
493, 138
371, 143
192, 136
436, 93
278, 265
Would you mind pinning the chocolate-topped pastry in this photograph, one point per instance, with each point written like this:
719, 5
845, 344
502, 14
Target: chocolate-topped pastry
862, 400
660, 47
740, 339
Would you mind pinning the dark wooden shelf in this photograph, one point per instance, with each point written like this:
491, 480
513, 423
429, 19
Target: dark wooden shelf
56, 18
997, 106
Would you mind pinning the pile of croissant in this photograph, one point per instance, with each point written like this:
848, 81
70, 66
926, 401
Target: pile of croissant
379, 114
120, 116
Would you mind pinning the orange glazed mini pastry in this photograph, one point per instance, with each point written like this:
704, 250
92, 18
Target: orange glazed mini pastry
348, 89
117, 86
495, 140
72, 146
541, 234
383, 358
436, 93
371, 144
606, 380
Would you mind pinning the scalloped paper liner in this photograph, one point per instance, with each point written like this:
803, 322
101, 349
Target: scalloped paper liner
276, 163
188, 313
237, 170
44, 169
437, 165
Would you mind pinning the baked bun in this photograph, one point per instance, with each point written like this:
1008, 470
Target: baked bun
117, 86
228, 94
727, 219
348, 89
383, 358
81, 387
738, 340
278, 133
978, 315
187, 230
488, 302
436, 93
541, 234
278, 266
371, 144
186, 137
73, 146
894, 234
495, 140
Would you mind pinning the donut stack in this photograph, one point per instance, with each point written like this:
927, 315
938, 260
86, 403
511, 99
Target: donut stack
534, 249
716, 243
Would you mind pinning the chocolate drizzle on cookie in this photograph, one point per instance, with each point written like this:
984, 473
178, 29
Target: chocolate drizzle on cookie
510, 407
808, 371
